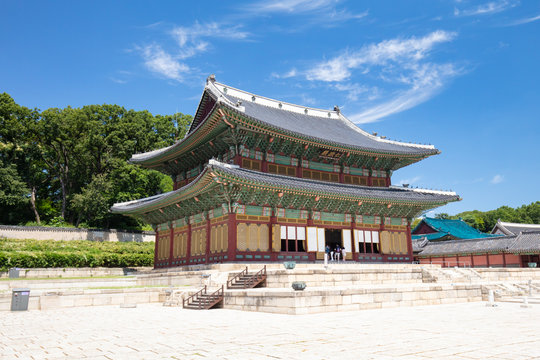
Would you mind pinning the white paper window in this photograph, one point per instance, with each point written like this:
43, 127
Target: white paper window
312, 238
359, 235
291, 232
301, 233
320, 239
368, 236
283, 232
375, 237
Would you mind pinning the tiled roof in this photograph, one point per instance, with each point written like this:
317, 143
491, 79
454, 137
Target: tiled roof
393, 193
525, 242
458, 229
389, 193
430, 236
514, 228
318, 124
467, 246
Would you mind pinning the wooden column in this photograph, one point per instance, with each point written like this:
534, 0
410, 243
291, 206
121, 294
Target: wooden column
171, 245
409, 241
354, 243
487, 259
156, 247
231, 228
273, 221
208, 239
472, 260
188, 250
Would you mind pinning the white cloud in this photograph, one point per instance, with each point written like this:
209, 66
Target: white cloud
291, 6
291, 73
400, 62
526, 20
487, 8
497, 179
190, 41
426, 82
409, 181
395, 50
185, 35
161, 62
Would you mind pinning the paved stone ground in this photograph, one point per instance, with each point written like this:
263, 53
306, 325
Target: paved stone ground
457, 331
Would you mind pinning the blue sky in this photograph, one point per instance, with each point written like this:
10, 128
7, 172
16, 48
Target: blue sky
462, 75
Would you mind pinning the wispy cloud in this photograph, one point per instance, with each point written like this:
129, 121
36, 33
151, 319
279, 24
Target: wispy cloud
161, 62
402, 62
525, 21
291, 73
291, 6
189, 42
322, 12
497, 179
487, 8
395, 50
409, 181
427, 81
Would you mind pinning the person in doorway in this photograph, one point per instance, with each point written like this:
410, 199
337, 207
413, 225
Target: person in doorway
332, 253
327, 251
344, 253
338, 252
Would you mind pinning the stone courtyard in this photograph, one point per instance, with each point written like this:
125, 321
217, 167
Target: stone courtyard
152, 331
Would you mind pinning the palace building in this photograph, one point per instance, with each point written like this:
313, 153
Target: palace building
257, 179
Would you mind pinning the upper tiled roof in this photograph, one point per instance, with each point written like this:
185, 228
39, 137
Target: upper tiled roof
458, 229
318, 124
509, 228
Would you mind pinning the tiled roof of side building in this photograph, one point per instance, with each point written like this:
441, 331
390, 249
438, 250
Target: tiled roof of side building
468, 246
527, 241
456, 228
514, 228
318, 124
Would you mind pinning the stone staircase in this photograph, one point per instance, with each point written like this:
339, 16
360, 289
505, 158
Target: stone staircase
203, 300
247, 280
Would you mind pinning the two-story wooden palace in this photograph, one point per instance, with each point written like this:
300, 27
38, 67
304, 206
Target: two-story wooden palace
257, 179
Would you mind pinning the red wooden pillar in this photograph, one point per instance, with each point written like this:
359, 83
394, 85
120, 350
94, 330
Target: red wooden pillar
409, 241
299, 168
188, 250
208, 238
443, 264
264, 165
487, 259
370, 180
171, 245
231, 228
504, 259
156, 247
354, 243
472, 260
388, 181
273, 221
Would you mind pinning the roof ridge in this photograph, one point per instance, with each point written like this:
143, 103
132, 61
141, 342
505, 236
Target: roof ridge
504, 223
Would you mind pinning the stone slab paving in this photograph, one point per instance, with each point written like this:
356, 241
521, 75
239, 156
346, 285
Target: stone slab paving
151, 331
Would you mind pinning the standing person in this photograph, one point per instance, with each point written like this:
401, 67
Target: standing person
332, 252
344, 253
327, 251
338, 252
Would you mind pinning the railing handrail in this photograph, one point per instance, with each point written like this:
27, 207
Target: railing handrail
245, 271
203, 290
258, 275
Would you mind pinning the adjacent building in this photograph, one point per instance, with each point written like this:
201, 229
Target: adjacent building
257, 179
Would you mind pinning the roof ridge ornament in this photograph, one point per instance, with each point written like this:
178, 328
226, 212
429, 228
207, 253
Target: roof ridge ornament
211, 78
